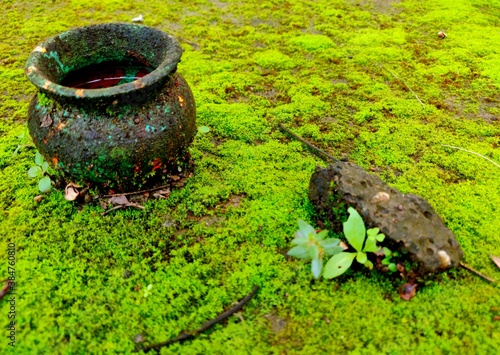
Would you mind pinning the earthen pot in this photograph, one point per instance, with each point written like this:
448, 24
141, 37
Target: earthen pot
111, 108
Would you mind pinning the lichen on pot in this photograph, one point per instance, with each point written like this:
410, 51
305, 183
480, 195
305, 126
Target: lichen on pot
111, 107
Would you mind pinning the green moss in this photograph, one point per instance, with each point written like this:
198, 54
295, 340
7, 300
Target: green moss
273, 59
320, 68
43, 100
312, 42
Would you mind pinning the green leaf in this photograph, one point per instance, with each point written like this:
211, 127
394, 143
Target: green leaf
313, 252
316, 267
338, 264
369, 264
44, 184
299, 240
372, 232
203, 129
329, 243
354, 229
331, 246
387, 251
393, 267
321, 235
300, 251
333, 250
380, 237
371, 245
386, 261
45, 166
305, 229
38, 159
361, 257
35, 171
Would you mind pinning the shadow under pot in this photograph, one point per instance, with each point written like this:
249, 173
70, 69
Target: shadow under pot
111, 108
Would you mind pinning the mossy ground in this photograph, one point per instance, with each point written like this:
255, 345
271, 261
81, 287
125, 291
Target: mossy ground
325, 69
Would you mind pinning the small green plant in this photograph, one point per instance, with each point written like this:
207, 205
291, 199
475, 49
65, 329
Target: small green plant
25, 141
388, 260
313, 246
147, 290
362, 240
40, 170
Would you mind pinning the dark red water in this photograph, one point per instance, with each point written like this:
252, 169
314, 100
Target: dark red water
104, 75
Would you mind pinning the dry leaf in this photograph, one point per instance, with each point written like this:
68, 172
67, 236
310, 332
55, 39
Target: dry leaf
118, 200
407, 291
343, 245
165, 193
71, 192
5, 289
46, 121
38, 198
496, 260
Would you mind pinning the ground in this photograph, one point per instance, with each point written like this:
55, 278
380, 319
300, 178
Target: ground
369, 81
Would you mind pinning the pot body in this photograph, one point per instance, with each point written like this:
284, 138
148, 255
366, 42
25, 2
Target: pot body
122, 134
124, 144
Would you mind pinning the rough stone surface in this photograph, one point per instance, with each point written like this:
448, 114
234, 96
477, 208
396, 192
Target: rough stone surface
408, 221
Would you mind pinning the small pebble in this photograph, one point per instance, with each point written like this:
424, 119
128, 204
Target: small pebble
441, 34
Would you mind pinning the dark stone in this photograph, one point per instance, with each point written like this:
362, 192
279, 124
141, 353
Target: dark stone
121, 131
408, 221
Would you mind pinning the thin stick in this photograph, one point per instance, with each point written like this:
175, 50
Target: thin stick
471, 269
136, 192
205, 326
471, 152
123, 206
405, 84
300, 139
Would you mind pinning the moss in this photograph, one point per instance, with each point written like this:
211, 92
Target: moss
43, 100
320, 68
273, 59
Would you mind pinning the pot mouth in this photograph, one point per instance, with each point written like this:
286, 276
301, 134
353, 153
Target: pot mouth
70, 51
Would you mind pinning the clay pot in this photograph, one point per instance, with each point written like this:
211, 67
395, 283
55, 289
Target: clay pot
111, 108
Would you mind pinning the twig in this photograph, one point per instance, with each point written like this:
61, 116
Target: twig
5, 289
192, 44
471, 152
300, 139
471, 269
137, 192
205, 326
405, 84
136, 205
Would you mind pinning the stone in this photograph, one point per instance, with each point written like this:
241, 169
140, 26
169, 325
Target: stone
408, 221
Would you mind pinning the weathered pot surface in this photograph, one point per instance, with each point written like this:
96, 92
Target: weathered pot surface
111, 108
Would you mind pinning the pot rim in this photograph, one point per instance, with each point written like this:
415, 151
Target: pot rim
44, 84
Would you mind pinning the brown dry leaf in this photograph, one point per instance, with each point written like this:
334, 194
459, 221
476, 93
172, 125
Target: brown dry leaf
118, 200
343, 245
71, 192
38, 198
165, 193
5, 289
379, 252
46, 121
407, 291
496, 260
